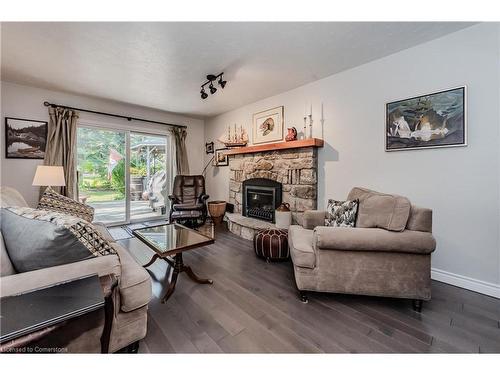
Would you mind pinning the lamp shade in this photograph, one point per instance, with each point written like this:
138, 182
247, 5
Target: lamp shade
49, 176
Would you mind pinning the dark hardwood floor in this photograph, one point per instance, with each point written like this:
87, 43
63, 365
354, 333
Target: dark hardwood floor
253, 307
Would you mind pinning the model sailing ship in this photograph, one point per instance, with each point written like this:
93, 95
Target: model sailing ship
235, 137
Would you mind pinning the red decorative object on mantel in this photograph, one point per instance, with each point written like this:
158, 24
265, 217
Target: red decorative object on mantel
292, 135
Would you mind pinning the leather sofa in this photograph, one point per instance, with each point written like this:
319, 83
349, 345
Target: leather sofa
130, 298
387, 253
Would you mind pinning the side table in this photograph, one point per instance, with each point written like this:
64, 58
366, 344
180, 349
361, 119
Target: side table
30, 317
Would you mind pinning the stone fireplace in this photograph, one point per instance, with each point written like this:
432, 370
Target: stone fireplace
295, 169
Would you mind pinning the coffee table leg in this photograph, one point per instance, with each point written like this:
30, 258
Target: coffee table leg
194, 277
178, 265
151, 261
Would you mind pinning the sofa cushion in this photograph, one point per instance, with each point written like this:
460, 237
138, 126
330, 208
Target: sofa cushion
135, 282
374, 239
341, 213
300, 241
38, 239
379, 210
6, 265
420, 219
53, 201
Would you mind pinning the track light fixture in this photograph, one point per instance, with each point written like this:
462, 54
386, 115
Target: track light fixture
221, 82
211, 78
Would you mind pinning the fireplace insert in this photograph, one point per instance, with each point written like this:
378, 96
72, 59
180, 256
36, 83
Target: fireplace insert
261, 197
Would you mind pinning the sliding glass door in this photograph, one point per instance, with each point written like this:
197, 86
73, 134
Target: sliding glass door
148, 176
124, 175
101, 172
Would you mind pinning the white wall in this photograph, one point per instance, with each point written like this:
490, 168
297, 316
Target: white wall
461, 184
27, 102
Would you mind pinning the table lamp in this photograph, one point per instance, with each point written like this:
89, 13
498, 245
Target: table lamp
49, 176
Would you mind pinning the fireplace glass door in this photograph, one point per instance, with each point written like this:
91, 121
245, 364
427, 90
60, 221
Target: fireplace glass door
260, 203
260, 198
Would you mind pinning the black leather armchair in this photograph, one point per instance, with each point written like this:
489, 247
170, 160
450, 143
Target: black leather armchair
188, 200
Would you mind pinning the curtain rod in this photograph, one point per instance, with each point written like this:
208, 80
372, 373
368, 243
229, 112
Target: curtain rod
129, 118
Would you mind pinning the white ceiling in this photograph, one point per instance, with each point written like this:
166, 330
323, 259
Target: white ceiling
162, 65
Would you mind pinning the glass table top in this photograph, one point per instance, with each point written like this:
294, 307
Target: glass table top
171, 237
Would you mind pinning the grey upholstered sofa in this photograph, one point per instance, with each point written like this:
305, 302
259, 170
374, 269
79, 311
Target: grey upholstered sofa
130, 299
387, 254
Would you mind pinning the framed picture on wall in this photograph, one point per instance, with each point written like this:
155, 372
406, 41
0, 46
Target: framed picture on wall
433, 120
25, 139
268, 126
209, 148
220, 158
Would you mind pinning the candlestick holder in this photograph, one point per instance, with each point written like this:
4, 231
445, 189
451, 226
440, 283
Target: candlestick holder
305, 127
310, 125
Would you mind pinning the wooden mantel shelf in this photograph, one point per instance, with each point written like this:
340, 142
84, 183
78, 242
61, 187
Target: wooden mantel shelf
311, 142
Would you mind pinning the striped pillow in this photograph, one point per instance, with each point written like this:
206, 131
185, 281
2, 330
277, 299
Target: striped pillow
53, 201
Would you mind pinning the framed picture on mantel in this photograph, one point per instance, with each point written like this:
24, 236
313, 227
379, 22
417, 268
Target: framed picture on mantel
268, 126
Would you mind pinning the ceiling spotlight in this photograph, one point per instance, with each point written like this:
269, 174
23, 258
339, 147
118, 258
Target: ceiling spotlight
221, 82
211, 78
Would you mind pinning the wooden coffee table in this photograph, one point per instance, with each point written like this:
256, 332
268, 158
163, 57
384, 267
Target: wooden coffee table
169, 241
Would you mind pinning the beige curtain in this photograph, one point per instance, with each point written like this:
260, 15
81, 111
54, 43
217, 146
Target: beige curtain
61, 147
181, 157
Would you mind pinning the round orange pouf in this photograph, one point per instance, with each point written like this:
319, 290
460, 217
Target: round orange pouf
271, 244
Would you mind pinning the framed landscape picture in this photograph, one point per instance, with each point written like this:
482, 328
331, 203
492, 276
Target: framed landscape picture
25, 139
427, 121
268, 126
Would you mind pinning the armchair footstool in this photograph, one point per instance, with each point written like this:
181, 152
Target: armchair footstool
188, 218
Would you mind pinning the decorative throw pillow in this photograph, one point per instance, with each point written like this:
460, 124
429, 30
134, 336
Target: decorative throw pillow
341, 213
38, 238
380, 210
53, 201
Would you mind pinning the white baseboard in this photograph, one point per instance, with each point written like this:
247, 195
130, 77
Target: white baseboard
465, 282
